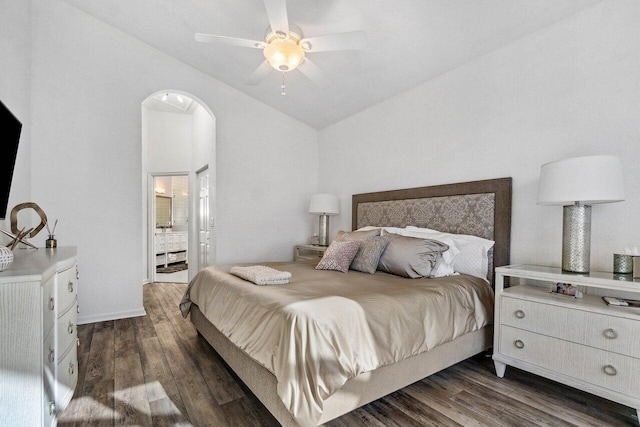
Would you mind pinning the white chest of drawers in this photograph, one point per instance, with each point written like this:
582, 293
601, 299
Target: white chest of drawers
38, 336
582, 343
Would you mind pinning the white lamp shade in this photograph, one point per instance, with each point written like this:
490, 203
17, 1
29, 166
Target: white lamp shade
324, 204
588, 180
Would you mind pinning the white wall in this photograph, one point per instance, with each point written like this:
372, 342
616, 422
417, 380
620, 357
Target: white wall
15, 93
169, 137
567, 90
88, 83
203, 126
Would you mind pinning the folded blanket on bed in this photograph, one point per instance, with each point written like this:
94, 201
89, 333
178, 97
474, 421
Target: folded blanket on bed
262, 275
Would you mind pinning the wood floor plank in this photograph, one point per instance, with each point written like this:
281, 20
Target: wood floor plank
97, 404
125, 337
245, 413
223, 387
424, 415
157, 375
200, 403
169, 411
144, 327
155, 370
477, 393
220, 380
130, 394
432, 397
101, 361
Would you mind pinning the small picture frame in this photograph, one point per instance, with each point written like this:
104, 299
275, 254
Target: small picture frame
566, 289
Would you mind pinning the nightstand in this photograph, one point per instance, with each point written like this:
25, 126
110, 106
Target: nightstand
580, 342
308, 252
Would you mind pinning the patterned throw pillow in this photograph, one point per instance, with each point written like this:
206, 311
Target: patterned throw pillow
368, 255
356, 235
338, 256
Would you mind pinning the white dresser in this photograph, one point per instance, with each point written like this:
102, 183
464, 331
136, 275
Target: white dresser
583, 343
38, 336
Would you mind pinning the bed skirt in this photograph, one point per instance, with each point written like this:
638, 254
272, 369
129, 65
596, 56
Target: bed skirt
356, 392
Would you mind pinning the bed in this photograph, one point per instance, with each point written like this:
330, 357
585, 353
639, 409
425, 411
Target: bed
479, 208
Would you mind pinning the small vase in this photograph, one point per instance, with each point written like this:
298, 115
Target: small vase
51, 243
6, 258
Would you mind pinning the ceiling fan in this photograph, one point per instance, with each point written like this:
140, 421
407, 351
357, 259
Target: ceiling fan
285, 48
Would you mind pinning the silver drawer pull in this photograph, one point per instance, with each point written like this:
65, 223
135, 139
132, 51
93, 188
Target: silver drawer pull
52, 407
610, 370
520, 314
72, 368
78, 309
610, 334
70, 287
78, 340
77, 273
518, 344
52, 303
52, 355
70, 328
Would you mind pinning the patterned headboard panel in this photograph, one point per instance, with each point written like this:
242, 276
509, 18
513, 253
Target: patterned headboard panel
479, 208
467, 214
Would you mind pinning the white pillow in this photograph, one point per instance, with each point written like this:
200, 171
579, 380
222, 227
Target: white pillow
474, 251
368, 228
391, 230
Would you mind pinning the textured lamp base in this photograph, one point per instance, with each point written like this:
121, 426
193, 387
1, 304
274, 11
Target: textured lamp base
576, 238
323, 230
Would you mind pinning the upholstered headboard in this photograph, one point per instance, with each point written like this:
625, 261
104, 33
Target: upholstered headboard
479, 208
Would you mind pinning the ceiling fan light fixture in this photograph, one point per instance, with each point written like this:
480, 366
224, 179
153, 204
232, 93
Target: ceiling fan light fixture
284, 54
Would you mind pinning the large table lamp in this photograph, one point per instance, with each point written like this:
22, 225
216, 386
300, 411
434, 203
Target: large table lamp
324, 205
577, 183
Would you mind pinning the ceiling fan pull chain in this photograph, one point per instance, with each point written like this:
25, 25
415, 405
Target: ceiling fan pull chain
282, 87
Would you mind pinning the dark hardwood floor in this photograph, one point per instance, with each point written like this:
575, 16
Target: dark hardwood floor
155, 370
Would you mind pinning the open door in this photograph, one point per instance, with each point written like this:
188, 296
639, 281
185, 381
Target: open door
204, 218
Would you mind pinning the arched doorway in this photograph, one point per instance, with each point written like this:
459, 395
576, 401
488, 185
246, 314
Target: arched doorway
178, 139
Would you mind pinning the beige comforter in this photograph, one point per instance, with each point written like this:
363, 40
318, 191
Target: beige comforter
326, 327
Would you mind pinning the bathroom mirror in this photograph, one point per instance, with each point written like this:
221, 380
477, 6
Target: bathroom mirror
163, 211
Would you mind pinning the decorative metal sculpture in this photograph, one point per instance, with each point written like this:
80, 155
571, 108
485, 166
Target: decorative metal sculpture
18, 235
28, 205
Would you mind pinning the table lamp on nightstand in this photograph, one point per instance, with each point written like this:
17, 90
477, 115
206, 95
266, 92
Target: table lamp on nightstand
577, 183
324, 205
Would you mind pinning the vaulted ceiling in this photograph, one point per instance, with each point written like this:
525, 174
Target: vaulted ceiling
408, 42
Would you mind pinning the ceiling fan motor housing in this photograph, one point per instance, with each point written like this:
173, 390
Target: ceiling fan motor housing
284, 53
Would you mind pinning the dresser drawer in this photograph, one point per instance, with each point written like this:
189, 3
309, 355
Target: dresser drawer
607, 332
49, 361
48, 352
48, 306
612, 371
67, 376
66, 330
66, 289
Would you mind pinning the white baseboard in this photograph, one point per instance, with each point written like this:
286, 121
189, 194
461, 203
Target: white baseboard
83, 320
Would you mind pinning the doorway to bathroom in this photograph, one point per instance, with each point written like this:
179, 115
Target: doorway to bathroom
171, 234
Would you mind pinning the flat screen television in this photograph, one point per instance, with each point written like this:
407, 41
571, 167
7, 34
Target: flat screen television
10, 128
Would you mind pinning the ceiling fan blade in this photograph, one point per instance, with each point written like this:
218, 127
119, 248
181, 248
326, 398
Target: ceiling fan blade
341, 41
259, 74
210, 38
277, 13
314, 73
